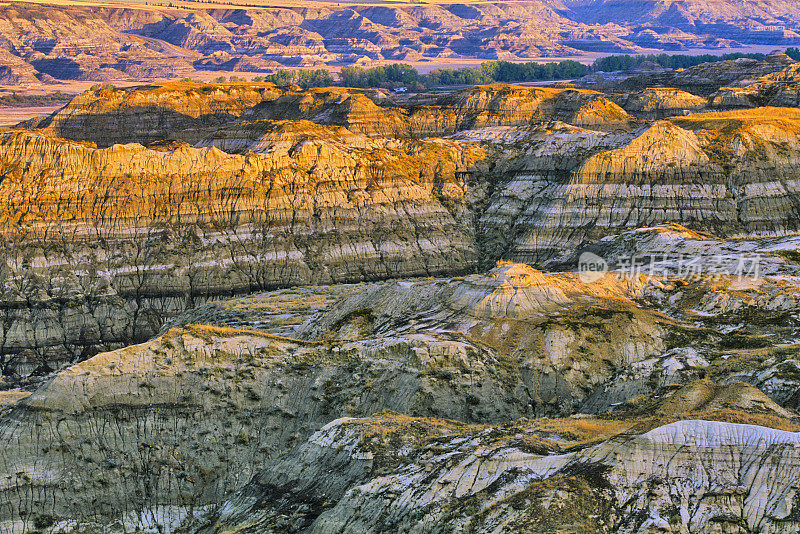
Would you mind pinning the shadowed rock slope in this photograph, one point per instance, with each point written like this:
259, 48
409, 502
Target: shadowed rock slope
165, 432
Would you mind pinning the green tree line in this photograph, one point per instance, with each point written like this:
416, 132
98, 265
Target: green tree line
305, 78
627, 62
489, 71
402, 75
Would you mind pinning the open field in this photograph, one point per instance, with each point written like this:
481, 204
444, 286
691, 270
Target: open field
13, 115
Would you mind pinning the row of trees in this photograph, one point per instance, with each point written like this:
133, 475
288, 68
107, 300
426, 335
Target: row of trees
402, 75
396, 73
304, 78
505, 71
627, 62
490, 71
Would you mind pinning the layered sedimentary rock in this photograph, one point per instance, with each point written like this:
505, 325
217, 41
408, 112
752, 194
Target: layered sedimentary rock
106, 115
651, 384
658, 103
776, 89
152, 42
726, 173
452, 477
485, 348
163, 433
703, 79
189, 111
156, 230
252, 186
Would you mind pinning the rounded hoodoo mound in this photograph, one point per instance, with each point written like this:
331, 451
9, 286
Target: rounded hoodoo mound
660, 102
600, 113
510, 291
662, 152
724, 401
516, 290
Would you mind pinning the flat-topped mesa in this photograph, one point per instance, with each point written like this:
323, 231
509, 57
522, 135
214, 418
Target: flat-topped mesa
265, 135
372, 113
106, 115
132, 185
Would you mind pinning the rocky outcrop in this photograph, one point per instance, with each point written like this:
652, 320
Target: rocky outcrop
694, 475
726, 173
285, 187
16, 71
703, 79
190, 112
776, 89
138, 439
164, 432
482, 349
659, 103
134, 228
70, 42
106, 115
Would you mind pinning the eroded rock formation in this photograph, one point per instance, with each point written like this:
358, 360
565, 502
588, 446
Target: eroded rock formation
656, 391
252, 186
47, 42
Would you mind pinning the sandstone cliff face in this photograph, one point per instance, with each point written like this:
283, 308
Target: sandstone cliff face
731, 173
106, 115
189, 112
156, 230
629, 401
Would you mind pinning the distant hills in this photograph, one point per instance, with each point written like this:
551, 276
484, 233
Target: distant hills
40, 43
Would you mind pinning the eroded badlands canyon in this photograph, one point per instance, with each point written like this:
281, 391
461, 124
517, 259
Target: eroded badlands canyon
254, 308
159, 39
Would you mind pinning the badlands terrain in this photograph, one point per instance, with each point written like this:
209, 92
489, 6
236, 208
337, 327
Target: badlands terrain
252, 308
102, 41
